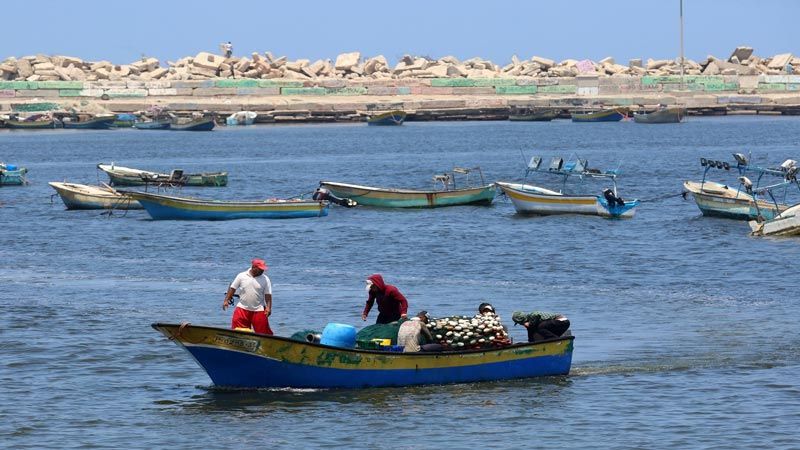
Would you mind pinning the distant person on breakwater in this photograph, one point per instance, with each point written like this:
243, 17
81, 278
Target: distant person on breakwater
392, 306
227, 49
255, 298
541, 325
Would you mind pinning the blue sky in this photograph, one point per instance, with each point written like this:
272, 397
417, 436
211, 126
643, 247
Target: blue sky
121, 31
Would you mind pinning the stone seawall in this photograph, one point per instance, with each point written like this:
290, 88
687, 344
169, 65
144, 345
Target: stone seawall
335, 99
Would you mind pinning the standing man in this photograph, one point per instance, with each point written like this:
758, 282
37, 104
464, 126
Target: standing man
228, 49
255, 299
392, 306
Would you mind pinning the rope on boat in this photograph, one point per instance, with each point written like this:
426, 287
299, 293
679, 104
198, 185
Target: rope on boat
664, 197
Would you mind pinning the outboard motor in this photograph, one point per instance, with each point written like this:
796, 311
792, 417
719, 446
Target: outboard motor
322, 194
612, 199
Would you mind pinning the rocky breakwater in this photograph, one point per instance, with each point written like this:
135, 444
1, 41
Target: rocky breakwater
351, 87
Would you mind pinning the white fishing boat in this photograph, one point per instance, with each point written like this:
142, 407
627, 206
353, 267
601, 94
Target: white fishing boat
83, 196
532, 199
786, 223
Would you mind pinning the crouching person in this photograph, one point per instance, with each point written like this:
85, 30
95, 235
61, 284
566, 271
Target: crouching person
414, 335
542, 325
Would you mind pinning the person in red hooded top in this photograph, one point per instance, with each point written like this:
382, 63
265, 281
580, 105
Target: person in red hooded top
392, 306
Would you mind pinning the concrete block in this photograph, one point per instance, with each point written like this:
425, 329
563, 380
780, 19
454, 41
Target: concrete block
346, 61
18, 85
60, 85
134, 84
793, 87
256, 91
441, 104
516, 90
741, 53
748, 99
157, 85
588, 91
190, 84
7, 93
280, 83
350, 90
69, 92
96, 93
159, 92
123, 93
778, 61
558, 89
213, 92
50, 93
208, 60
303, 91
771, 87
474, 90
425, 90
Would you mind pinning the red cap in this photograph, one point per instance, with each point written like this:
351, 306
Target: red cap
259, 264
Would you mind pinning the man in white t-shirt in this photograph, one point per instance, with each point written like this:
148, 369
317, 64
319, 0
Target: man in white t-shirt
255, 299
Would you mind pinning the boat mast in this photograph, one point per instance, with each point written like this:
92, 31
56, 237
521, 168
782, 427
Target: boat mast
683, 84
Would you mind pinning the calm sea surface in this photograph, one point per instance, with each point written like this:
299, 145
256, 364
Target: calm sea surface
686, 328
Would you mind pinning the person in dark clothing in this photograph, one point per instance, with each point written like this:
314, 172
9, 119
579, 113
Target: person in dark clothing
542, 325
392, 306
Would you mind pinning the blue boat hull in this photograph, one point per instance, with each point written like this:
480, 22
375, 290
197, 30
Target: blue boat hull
161, 212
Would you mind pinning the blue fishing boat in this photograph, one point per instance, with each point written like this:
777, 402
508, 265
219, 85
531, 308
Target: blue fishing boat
242, 359
388, 118
166, 207
152, 125
11, 175
204, 124
124, 120
607, 115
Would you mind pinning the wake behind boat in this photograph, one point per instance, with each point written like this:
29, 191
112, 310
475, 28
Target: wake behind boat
531, 199
126, 176
447, 193
243, 359
83, 196
166, 207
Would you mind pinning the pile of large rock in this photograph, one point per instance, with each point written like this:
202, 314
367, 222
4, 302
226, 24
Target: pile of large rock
352, 66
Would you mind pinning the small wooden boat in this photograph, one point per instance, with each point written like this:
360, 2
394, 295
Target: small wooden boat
544, 115
37, 122
388, 118
608, 115
126, 176
530, 199
241, 118
153, 125
11, 175
787, 223
96, 123
740, 202
447, 195
241, 359
83, 196
165, 207
663, 115
204, 124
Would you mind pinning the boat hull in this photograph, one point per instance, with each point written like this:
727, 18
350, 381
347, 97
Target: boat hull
601, 116
163, 207
33, 125
197, 125
785, 224
80, 196
718, 200
670, 115
152, 125
388, 118
125, 176
15, 177
405, 198
100, 123
247, 360
542, 116
532, 200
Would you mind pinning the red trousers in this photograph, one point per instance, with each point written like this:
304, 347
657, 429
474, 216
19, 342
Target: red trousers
243, 318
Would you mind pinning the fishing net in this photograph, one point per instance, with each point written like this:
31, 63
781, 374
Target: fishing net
378, 331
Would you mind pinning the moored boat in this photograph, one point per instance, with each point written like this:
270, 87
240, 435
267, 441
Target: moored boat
95, 123
536, 200
241, 118
242, 359
35, 122
448, 195
84, 196
607, 115
165, 207
662, 115
787, 223
203, 124
387, 118
152, 125
544, 115
11, 175
126, 176
743, 201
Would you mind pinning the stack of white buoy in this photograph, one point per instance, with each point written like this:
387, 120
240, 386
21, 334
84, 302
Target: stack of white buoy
464, 332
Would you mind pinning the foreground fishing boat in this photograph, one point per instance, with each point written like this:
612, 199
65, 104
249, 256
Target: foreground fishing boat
545, 115
11, 175
536, 200
126, 176
787, 223
447, 195
663, 115
83, 196
608, 115
741, 202
244, 359
33, 123
96, 123
194, 125
165, 207
387, 118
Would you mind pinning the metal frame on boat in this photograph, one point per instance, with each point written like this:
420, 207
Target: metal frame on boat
242, 359
536, 200
445, 194
743, 202
126, 176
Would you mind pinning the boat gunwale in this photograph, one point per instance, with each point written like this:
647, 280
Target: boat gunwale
407, 191
158, 198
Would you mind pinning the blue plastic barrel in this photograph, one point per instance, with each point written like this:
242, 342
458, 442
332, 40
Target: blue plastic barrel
339, 335
11, 167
